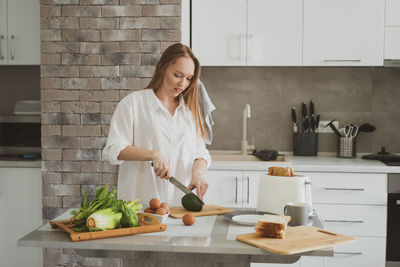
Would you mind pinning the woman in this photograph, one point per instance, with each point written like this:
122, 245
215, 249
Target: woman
162, 124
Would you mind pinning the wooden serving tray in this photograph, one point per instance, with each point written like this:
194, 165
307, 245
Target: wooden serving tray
298, 239
81, 236
178, 212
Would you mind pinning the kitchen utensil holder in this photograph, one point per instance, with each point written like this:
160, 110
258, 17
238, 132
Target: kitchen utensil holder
305, 144
346, 147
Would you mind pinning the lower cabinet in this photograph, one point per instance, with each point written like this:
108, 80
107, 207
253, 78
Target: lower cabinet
351, 203
21, 197
232, 188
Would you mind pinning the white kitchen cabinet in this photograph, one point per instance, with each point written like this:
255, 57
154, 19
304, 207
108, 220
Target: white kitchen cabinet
392, 29
392, 17
21, 197
224, 188
253, 32
343, 33
20, 32
348, 188
274, 32
219, 32
232, 188
392, 42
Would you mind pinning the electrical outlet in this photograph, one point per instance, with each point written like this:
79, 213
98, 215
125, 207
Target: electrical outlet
322, 129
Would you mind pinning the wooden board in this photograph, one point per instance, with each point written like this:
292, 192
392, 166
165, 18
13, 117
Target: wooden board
81, 236
298, 239
178, 212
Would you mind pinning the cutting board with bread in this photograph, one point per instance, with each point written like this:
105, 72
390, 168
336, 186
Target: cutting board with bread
273, 234
207, 210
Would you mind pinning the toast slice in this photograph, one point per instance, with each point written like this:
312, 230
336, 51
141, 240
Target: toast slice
273, 226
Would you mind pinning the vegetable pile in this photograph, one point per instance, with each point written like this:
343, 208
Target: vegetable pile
105, 212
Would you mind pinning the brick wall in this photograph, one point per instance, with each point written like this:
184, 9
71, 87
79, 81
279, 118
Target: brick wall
93, 53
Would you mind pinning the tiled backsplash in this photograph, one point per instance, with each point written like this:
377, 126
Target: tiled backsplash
348, 94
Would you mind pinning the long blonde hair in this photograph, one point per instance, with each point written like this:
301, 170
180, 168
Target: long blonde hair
190, 94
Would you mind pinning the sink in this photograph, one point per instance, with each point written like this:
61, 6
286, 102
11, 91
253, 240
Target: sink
235, 155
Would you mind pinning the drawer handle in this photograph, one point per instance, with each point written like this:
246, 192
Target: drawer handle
347, 253
342, 60
344, 221
344, 189
236, 193
248, 189
1, 39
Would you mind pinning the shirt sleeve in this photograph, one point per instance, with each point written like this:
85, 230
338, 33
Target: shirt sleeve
120, 134
201, 151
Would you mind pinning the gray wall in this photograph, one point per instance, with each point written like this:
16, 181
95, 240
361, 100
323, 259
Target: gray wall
349, 94
18, 83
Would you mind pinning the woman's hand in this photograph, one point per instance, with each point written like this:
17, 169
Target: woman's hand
200, 184
161, 166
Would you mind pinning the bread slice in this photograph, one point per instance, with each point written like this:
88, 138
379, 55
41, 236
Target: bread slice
281, 171
273, 226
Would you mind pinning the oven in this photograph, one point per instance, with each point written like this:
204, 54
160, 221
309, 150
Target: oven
393, 219
20, 137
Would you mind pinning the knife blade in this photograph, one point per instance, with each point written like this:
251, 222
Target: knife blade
317, 121
182, 187
294, 119
304, 114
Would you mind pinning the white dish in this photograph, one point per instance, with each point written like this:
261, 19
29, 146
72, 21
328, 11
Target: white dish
246, 219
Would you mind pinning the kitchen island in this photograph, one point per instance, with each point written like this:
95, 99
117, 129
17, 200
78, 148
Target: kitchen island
170, 248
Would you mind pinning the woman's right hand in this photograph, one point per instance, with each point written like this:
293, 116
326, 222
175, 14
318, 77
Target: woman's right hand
161, 166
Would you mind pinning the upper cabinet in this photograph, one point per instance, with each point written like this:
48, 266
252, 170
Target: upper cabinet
288, 32
19, 32
219, 32
392, 29
274, 32
343, 32
252, 32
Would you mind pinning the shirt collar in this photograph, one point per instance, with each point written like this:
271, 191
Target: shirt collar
155, 103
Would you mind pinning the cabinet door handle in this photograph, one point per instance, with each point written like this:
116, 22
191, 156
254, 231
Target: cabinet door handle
344, 189
344, 221
236, 192
242, 50
248, 189
347, 253
1, 40
12, 47
249, 46
342, 60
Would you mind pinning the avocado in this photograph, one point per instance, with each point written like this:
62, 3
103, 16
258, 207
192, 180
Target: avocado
191, 202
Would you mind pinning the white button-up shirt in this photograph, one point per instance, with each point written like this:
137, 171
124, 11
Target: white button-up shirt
141, 120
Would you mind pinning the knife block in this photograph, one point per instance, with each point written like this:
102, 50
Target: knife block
305, 144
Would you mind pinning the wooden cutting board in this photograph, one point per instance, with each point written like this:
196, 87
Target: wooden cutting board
178, 212
298, 239
81, 236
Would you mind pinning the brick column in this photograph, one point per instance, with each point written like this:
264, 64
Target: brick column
93, 53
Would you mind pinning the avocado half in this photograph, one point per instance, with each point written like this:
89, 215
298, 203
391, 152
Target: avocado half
191, 202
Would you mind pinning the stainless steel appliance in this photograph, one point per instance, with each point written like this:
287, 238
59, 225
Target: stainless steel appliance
393, 218
20, 137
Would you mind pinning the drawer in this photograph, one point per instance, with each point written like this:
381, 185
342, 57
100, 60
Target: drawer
354, 220
348, 188
366, 251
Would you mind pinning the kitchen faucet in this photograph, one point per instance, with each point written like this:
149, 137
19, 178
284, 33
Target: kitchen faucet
245, 146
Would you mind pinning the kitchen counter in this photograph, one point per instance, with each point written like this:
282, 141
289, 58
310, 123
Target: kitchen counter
173, 246
323, 163
21, 163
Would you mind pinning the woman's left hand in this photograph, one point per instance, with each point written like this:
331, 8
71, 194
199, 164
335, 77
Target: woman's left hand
200, 184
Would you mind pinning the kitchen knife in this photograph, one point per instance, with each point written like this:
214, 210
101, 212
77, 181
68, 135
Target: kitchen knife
312, 116
182, 187
306, 124
294, 119
317, 121
304, 114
